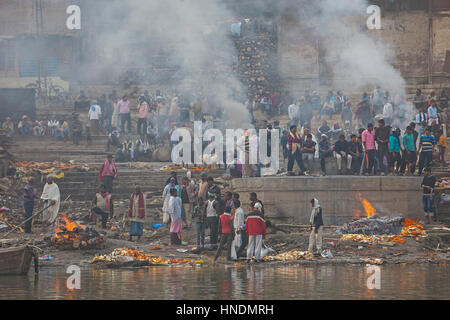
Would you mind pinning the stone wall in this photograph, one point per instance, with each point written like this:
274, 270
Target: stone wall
441, 40
18, 17
302, 59
287, 199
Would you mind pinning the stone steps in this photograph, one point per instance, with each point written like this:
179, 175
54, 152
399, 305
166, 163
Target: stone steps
83, 185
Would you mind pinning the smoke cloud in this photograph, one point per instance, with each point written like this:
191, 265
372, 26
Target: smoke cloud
191, 34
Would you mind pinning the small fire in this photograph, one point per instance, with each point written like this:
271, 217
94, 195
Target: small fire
66, 229
368, 208
68, 232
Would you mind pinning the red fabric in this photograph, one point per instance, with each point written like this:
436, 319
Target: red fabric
225, 220
255, 225
141, 210
105, 170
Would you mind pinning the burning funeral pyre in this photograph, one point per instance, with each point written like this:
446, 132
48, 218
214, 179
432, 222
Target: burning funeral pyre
379, 229
68, 234
374, 226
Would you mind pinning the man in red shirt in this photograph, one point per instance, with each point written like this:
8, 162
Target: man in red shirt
108, 173
226, 229
368, 140
255, 226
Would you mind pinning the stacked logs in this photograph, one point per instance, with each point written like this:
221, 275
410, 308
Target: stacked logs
257, 67
5, 156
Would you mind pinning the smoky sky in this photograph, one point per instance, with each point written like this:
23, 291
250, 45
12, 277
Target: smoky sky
193, 35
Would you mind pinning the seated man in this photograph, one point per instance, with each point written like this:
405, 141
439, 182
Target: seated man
324, 152
142, 149
308, 151
114, 140
38, 129
24, 125
341, 151
8, 126
102, 205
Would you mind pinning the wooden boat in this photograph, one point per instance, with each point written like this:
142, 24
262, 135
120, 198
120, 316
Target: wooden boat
17, 260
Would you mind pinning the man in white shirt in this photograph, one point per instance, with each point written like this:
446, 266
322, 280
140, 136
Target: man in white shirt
51, 197
94, 116
294, 113
388, 113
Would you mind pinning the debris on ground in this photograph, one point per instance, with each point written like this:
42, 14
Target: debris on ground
132, 255
290, 256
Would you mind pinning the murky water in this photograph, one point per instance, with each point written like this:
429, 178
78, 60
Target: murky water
255, 282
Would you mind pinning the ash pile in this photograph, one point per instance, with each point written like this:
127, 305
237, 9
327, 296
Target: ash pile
69, 234
373, 225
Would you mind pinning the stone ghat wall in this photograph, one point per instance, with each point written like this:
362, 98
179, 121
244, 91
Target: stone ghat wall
287, 199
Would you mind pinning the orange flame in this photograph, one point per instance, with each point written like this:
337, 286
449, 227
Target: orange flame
368, 208
64, 226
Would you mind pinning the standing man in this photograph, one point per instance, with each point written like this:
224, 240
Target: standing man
203, 187
427, 141
355, 151
238, 223
294, 113
124, 113
388, 113
176, 224
102, 205
256, 230
166, 198
394, 151
211, 218
51, 197
28, 204
199, 216
185, 201
295, 154
76, 128
382, 134
254, 200
108, 112
409, 152
108, 173
368, 139
226, 229
136, 213
142, 115
428, 184
308, 151
94, 115
316, 222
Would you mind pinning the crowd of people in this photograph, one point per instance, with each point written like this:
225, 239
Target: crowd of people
381, 136
349, 138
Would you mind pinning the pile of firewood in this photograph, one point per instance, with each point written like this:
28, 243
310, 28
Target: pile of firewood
373, 226
257, 67
5, 156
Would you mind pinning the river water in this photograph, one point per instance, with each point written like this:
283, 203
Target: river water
248, 282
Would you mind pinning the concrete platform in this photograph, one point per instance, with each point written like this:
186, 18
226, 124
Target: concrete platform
287, 199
